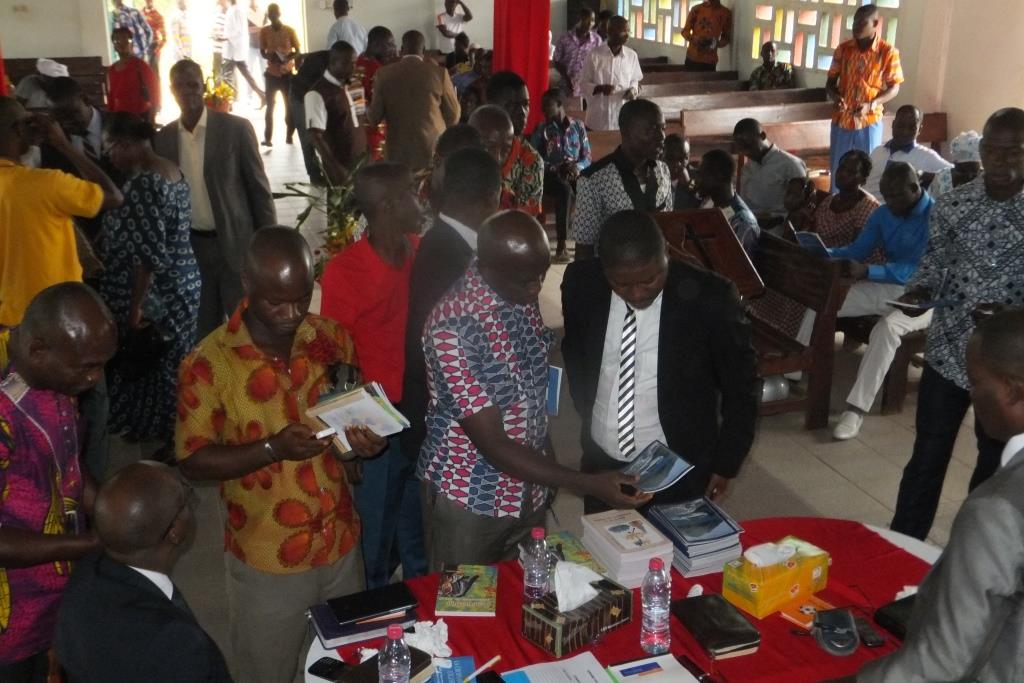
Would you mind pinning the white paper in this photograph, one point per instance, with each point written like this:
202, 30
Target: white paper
583, 668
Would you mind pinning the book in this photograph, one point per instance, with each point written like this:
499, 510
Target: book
468, 590
365, 405
625, 530
811, 241
698, 523
372, 605
801, 612
717, 626
555, 376
661, 669
459, 668
332, 634
420, 671
658, 468
566, 547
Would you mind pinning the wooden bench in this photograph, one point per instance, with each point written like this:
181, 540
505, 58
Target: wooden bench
911, 350
727, 101
652, 90
88, 71
720, 122
658, 74
818, 284
650, 61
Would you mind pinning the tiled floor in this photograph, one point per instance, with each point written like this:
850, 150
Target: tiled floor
790, 471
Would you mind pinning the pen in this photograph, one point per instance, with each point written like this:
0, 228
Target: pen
490, 662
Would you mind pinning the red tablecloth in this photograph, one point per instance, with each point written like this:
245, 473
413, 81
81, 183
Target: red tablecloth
866, 572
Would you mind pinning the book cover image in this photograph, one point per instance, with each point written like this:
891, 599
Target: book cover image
566, 547
697, 521
629, 531
802, 612
469, 590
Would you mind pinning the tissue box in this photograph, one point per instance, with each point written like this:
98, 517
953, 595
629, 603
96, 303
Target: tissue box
561, 633
761, 591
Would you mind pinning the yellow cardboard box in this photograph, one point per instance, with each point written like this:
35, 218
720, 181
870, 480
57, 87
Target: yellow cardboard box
761, 591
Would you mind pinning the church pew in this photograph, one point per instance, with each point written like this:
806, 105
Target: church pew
88, 71
651, 61
670, 104
653, 90
722, 121
654, 75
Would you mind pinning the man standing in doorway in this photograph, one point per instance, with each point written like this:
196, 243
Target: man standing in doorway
708, 28
865, 74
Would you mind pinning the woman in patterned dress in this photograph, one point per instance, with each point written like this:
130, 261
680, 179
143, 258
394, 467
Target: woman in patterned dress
150, 277
840, 217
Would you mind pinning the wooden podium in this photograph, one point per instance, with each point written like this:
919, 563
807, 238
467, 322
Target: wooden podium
705, 238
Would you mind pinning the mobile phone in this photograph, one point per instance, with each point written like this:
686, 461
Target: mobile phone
869, 635
328, 668
489, 677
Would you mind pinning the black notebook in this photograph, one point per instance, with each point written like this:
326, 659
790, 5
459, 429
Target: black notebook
717, 626
895, 616
368, 605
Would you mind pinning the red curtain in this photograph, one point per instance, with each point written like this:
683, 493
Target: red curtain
521, 45
3, 76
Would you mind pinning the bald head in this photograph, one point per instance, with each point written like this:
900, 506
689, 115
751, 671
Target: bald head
413, 43
70, 310
749, 139
278, 253
278, 281
1006, 119
496, 130
900, 188
514, 255
138, 514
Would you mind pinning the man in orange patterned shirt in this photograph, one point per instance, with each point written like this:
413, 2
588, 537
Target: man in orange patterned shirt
708, 28
291, 535
865, 74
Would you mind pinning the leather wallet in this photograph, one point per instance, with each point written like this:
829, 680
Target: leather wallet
895, 616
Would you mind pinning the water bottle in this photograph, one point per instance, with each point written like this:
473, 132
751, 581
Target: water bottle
536, 570
394, 661
655, 595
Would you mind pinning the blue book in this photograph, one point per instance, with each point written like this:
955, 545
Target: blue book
460, 668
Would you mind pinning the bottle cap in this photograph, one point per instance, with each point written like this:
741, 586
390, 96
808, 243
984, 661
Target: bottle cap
395, 632
537, 533
657, 564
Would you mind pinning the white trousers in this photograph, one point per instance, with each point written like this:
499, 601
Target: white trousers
868, 298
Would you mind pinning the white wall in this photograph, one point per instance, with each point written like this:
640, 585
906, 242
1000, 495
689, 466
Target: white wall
53, 28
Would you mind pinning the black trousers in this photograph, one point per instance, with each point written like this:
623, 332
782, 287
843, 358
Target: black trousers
33, 669
274, 85
558, 186
941, 407
690, 65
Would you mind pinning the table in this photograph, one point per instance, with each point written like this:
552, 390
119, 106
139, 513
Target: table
869, 565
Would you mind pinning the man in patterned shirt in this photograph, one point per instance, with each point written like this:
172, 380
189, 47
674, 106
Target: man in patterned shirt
976, 249
708, 28
123, 16
771, 75
291, 536
156, 23
486, 461
865, 74
631, 177
571, 52
522, 169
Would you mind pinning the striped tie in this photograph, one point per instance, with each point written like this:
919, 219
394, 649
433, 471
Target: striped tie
627, 385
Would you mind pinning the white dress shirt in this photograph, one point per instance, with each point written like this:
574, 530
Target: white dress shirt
162, 581
350, 31
465, 232
604, 428
455, 24
191, 157
923, 159
236, 34
621, 71
1014, 446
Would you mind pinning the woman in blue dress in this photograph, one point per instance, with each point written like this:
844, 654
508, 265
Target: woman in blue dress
150, 277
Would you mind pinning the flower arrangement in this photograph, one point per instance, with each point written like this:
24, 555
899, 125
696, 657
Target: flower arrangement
218, 95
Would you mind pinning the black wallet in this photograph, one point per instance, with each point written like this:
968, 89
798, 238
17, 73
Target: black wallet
895, 616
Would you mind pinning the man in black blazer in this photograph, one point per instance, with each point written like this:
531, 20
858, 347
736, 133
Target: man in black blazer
121, 618
688, 374
470, 194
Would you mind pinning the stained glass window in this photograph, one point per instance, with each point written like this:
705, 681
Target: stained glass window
658, 21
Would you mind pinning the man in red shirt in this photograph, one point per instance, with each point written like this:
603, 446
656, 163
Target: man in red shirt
366, 289
380, 50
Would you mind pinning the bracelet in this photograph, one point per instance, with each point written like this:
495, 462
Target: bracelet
270, 450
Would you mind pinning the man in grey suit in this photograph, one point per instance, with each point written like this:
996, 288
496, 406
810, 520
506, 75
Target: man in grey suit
416, 98
231, 199
968, 621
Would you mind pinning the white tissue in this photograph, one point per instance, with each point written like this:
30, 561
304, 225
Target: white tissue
767, 554
695, 590
572, 585
906, 592
431, 637
366, 653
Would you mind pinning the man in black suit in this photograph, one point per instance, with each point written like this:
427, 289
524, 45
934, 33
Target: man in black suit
470, 193
121, 618
658, 350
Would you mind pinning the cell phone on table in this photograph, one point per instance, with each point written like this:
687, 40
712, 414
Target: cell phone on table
869, 635
328, 668
489, 677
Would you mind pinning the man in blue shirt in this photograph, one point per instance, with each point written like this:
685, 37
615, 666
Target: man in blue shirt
900, 228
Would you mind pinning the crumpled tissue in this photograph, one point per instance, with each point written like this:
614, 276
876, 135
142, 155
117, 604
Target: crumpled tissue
696, 590
906, 592
768, 554
429, 636
572, 585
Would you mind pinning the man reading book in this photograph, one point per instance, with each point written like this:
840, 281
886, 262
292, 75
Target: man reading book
658, 351
486, 458
290, 535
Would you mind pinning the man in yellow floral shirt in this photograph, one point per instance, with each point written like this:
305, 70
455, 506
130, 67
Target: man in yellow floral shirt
291, 535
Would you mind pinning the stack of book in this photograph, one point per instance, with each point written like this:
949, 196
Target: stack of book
468, 590
365, 406
704, 536
363, 616
624, 542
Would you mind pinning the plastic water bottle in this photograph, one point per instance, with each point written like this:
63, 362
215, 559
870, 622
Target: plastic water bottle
394, 661
536, 570
655, 595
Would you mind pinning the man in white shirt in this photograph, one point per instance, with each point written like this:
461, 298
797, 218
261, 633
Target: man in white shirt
450, 24
763, 179
236, 47
611, 76
346, 29
906, 126
331, 119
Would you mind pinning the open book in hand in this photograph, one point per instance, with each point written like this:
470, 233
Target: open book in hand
658, 468
365, 406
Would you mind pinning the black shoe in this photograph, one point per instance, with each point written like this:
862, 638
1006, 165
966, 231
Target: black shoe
267, 143
288, 139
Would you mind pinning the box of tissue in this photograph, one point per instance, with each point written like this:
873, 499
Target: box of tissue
561, 633
763, 590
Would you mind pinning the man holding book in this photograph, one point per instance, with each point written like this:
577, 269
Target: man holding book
486, 460
291, 536
658, 351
